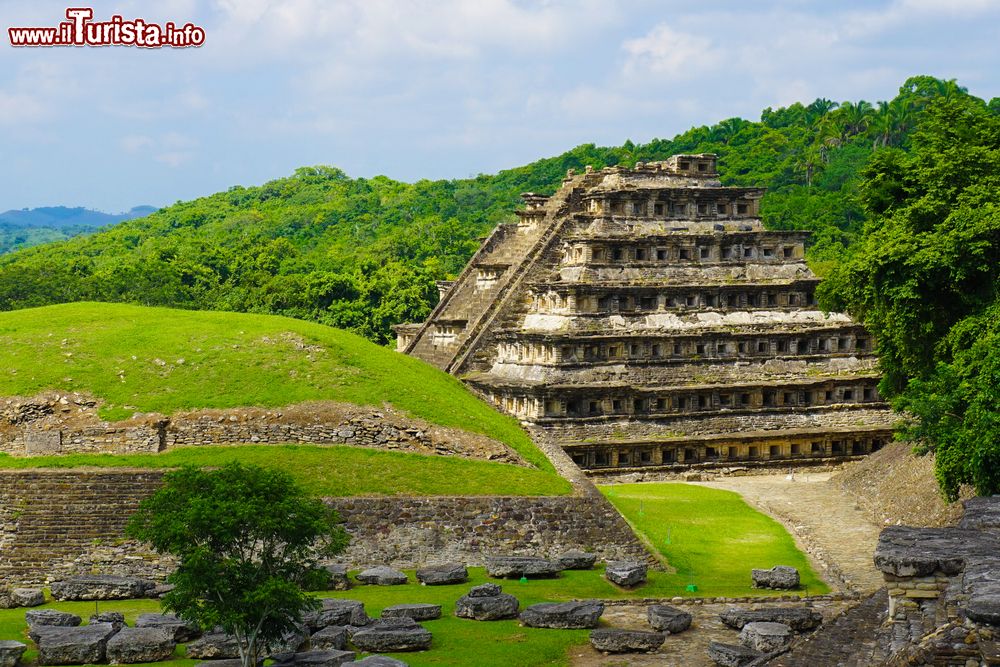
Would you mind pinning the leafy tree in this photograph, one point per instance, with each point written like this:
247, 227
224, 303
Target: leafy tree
248, 540
926, 280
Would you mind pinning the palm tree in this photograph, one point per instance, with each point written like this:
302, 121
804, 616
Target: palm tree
854, 118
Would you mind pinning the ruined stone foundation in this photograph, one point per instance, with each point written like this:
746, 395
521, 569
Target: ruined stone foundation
644, 319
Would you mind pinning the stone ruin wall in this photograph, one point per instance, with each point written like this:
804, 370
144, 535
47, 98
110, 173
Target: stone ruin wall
54, 523
69, 424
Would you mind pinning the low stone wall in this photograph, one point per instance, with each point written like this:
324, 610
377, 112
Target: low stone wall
56, 424
407, 532
59, 522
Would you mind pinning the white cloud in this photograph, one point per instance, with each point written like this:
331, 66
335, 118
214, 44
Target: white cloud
670, 54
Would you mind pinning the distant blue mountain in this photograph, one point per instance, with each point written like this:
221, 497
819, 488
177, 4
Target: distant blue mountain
35, 226
61, 217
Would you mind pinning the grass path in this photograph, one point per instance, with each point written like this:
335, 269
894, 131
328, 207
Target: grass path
711, 537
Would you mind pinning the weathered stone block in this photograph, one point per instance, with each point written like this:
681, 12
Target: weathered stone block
101, 587
416, 611
515, 567
444, 574
71, 645
563, 615
332, 636
626, 641
731, 655
390, 639
797, 618
494, 607
335, 611
28, 597
181, 630
779, 577
382, 576
11, 652
575, 559
133, 645
668, 619
626, 573
765, 636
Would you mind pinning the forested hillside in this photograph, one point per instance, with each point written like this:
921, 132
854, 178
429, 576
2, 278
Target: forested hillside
363, 254
925, 279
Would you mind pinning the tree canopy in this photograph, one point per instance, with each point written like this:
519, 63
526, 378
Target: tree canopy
925, 279
248, 540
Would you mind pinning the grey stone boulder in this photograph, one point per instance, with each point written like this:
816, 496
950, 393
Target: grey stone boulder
10, 652
41, 618
443, 575
563, 615
731, 655
7, 598
228, 662
28, 597
338, 579
292, 642
417, 611
515, 567
626, 573
101, 587
382, 576
668, 619
182, 631
336, 611
779, 577
487, 603
398, 623
378, 661
115, 618
765, 636
213, 646
485, 591
330, 637
575, 559
609, 640
132, 645
72, 645
799, 619
320, 658
389, 639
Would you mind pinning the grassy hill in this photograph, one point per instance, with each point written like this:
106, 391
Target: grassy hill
138, 359
363, 253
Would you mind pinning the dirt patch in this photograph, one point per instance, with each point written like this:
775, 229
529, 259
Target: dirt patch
894, 486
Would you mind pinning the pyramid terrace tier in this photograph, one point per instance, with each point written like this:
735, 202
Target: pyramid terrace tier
541, 403
649, 248
612, 298
802, 446
697, 372
662, 200
773, 338
718, 424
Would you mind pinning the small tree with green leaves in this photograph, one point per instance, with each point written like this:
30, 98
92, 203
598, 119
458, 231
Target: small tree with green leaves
249, 541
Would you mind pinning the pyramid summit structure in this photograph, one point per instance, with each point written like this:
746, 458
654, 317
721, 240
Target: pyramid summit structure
644, 319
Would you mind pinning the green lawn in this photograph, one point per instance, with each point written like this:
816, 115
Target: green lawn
711, 537
163, 360
457, 642
334, 470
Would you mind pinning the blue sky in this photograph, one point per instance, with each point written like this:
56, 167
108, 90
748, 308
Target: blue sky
438, 88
